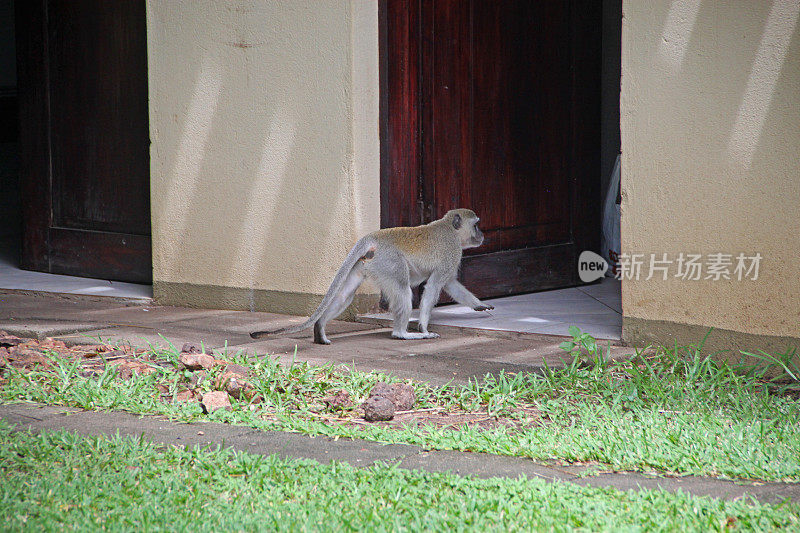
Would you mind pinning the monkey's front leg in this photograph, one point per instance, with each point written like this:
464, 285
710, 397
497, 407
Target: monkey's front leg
460, 294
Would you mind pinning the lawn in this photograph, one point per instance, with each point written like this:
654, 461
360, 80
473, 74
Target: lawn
674, 411
61, 481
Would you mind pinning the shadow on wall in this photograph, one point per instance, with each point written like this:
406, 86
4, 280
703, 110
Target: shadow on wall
735, 80
249, 119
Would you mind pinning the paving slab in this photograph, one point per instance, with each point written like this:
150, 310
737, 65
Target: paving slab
698, 486
488, 466
362, 453
150, 315
27, 415
41, 329
45, 305
322, 449
482, 465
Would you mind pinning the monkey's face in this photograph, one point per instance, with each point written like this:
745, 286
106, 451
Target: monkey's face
476, 235
465, 222
471, 234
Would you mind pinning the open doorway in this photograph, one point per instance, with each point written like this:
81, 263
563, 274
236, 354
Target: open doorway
10, 195
510, 109
36, 177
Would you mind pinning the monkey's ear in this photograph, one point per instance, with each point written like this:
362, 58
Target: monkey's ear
457, 221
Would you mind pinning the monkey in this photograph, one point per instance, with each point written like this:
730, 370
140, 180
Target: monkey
398, 259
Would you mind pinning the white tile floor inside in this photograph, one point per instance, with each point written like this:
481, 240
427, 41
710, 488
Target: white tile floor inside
596, 309
13, 277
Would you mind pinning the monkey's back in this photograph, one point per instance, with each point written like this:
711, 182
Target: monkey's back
425, 248
409, 240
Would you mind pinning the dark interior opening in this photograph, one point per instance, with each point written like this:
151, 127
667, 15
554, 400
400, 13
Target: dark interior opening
611, 74
10, 202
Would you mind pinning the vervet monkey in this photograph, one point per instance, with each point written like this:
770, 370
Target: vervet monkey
397, 259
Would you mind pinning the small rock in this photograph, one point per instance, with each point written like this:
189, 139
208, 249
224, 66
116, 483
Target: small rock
197, 361
25, 358
191, 347
9, 340
222, 379
382, 388
239, 388
127, 368
400, 394
185, 396
215, 400
196, 349
235, 388
340, 400
378, 408
404, 396
54, 345
237, 369
86, 350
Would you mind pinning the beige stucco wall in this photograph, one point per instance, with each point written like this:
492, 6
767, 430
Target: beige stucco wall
265, 154
710, 123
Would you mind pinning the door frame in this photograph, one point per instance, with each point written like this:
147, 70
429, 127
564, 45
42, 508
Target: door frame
402, 198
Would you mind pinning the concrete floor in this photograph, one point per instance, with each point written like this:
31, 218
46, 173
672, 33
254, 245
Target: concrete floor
13, 277
596, 309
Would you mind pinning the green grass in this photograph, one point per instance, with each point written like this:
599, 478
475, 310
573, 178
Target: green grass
676, 411
60, 481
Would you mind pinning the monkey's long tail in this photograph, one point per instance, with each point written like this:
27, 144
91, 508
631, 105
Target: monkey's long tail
363, 248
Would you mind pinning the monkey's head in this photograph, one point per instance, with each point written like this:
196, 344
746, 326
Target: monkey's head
465, 222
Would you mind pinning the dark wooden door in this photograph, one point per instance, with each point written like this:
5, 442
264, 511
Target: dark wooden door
495, 106
84, 139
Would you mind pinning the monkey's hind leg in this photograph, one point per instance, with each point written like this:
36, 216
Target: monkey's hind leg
340, 302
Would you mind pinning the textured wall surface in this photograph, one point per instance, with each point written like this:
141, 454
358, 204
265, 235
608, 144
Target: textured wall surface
710, 155
264, 129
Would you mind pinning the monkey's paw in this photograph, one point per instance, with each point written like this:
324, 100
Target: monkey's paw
484, 307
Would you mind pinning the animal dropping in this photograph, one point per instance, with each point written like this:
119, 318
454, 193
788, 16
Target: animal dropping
397, 260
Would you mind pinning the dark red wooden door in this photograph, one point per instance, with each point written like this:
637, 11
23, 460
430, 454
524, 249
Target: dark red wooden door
84, 139
495, 106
